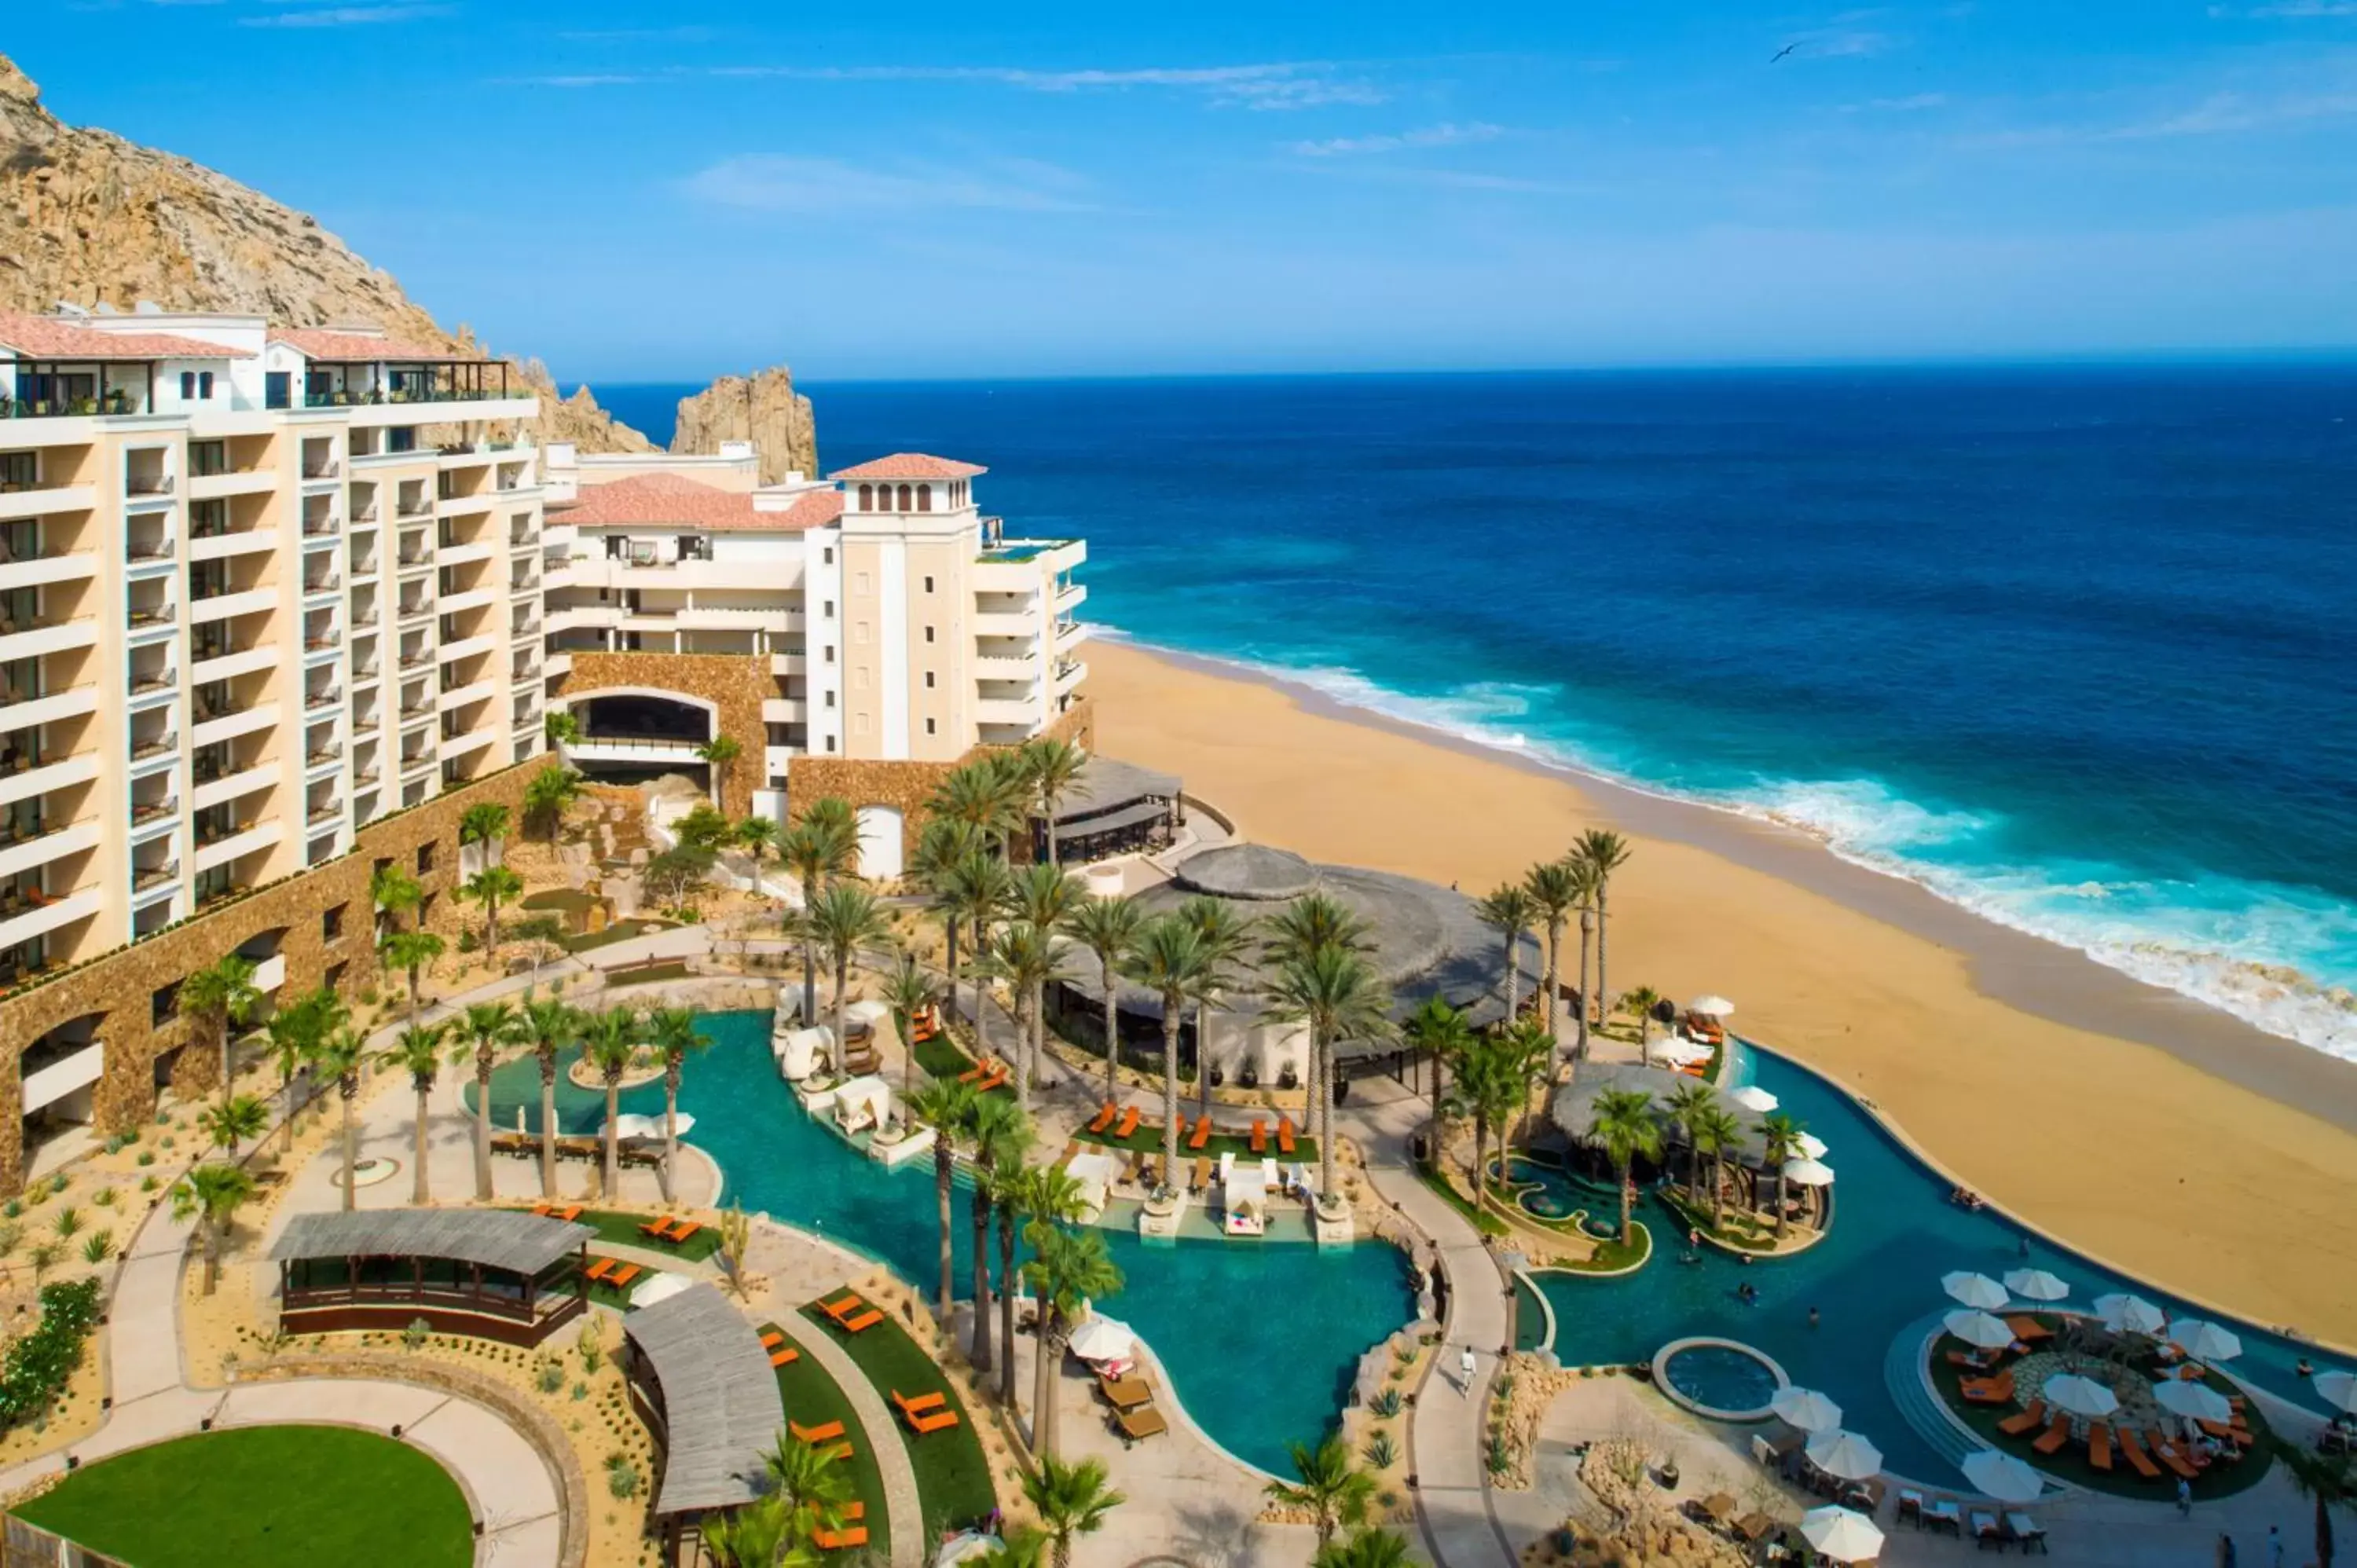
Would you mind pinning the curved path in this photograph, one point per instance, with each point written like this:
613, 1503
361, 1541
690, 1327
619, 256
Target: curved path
902, 1501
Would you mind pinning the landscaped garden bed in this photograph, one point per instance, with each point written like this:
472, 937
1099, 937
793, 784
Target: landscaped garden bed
812, 1399
953, 1471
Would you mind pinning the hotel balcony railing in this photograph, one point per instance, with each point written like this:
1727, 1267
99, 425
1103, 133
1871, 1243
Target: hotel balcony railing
365, 673
206, 837
363, 620
317, 755
417, 660
411, 711
147, 484
373, 396
146, 876
418, 611
319, 527
366, 776
136, 550
326, 584
116, 402
325, 470
154, 614
10, 696
528, 624
153, 811
163, 681
321, 644
319, 815
146, 750
322, 697
418, 513
366, 514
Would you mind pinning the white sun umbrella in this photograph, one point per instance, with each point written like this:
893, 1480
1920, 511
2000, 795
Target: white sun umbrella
1751, 1097
2129, 1314
1806, 1408
1812, 1147
2074, 1395
2003, 1476
632, 1124
2204, 1340
1973, 1290
2194, 1402
1102, 1339
2338, 1389
2036, 1284
1809, 1172
1846, 1455
1842, 1534
1681, 1053
1978, 1329
1712, 1007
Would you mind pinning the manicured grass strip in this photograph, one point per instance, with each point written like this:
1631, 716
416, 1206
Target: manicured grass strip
618, 1229
1487, 1223
1149, 1137
953, 1472
812, 1399
265, 1497
618, 932
646, 974
941, 1058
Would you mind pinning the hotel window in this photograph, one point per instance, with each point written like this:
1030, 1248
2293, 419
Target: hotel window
826, 556
929, 679
830, 653
187, 385
829, 743
335, 981
928, 584
830, 699
204, 386
928, 634
828, 612
164, 1005
924, 498
426, 857
332, 924
929, 726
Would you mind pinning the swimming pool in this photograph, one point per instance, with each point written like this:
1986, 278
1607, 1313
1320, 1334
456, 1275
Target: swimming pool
1875, 1276
1720, 1377
1545, 1189
1260, 1338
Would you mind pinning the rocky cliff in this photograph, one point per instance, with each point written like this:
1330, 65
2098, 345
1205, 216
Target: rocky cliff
763, 409
89, 218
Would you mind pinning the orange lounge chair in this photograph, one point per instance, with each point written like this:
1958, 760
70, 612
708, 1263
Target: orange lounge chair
623, 1274
1987, 1390
2132, 1450
838, 1309
820, 1433
681, 1232
996, 1079
569, 1213
659, 1227
1104, 1117
772, 1339
600, 1267
842, 1540
2058, 1433
921, 1403
2028, 1422
865, 1320
1127, 1124
1202, 1134
978, 1070
2166, 1452
939, 1421
1285, 1135
785, 1357
1259, 1136
2027, 1329
2099, 1446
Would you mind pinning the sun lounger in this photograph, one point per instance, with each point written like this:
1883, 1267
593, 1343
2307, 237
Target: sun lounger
1987, 1390
1127, 1124
921, 1403
2024, 1531
2170, 1456
600, 1267
939, 1421
784, 1357
1946, 1513
839, 1309
2099, 1446
819, 1433
659, 1227
1201, 1176
772, 1339
1259, 1136
2028, 1421
623, 1274
682, 1231
1285, 1135
2027, 1329
1104, 1117
1136, 1426
1135, 1170
1202, 1134
864, 1321
2058, 1433
842, 1540
977, 1073
995, 1078
2132, 1450
1126, 1393
1987, 1530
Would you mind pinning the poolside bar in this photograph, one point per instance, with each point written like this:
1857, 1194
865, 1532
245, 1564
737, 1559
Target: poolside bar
493, 1273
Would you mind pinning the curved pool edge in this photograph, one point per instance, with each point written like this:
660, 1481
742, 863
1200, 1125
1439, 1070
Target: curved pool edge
1684, 1401
1546, 1343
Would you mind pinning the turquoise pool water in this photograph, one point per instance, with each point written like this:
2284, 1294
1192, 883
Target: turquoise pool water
1546, 1189
1260, 1338
1720, 1378
1877, 1272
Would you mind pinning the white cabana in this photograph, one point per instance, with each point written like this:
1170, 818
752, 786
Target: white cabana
798, 1052
1809, 1172
2338, 1389
2194, 1402
2074, 1395
634, 1124
1845, 1455
964, 1548
1978, 1329
1806, 1408
861, 1105
2204, 1340
2003, 1476
1973, 1290
1244, 1193
1712, 1007
1676, 1052
868, 1015
1096, 1172
659, 1287
1103, 1339
1751, 1097
2036, 1284
2129, 1314
1842, 1534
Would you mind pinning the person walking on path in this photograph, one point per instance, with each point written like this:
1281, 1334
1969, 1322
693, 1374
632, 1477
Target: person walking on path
1467, 1366
2184, 1499
2225, 1549
2275, 1547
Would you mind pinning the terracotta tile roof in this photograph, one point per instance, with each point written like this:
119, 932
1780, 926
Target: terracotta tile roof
910, 466
321, 343
671, 500
50, 337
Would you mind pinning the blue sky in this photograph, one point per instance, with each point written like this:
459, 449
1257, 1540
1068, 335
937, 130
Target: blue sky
926, 188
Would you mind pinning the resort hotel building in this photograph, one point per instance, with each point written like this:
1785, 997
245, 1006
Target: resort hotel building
263, 594
855, 638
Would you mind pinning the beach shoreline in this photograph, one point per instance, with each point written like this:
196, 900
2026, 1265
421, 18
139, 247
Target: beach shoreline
2139, 1125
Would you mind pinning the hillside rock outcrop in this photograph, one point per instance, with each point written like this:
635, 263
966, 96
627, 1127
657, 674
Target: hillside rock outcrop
763, 409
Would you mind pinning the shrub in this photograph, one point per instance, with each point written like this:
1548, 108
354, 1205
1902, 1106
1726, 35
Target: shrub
38, 1364
147, 1157
12, 1208
581, 1391
59, 1183
468, 940
1381, 1451
1385, 1403
99, 1247
621, 1477
104, 1197
68, 1221
590, 1346
1501, 1461
414, 1336
147, 1183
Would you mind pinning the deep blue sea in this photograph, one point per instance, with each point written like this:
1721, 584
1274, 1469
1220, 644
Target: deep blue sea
2072, 646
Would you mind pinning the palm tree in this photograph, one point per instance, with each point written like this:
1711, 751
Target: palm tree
1310, 924
1041, 897
1072, 1500
988, 794
720, 752
941, 850
1640, 1002
1605, 852
1715, 1131
675, 1037
1489, 1084
1508, 910
979, 888
1225, 938
909, 991
1054, 766
492, 887
1170, 960
340, 1056
215, 1001
1044, 1198
761, 1534
817, 851
1529, 1048
1333, 1490
609, 1040
485, 822
1108, 929
1441, 1033
1339, 995
1687, 1102
394, 893
2329, 1481
212, 1193
295, 1032
1585, 881
1556, 894
549, 1026
1021, 1547
1781, 1135
1006, 1180
757, 837
418, 1052
1026, 957
946, 1106
810, 1483
1066, 1268
560, 727
411, 952
1366, 1549
845, 918
551, 791
994, 1128
486, 1025
1625, 1127
233, 1121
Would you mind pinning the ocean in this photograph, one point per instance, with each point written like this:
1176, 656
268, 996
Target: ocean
2070, 646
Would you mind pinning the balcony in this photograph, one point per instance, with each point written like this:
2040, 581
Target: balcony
230, 846
322, 527
316, 470
322, 697
53, 564
232, 482
455, 555
466, 648
147, 690
418, 659
364, 621
150, 814
415, 762
417, 610
213, 728
141, 622
18, 501
232, 542
234, 786
231, 663
467, 741
145, 557
461, 696
326, 583
222, 606
1022, 624
50, 634
30, 776
22, 710
77, 1071
321, 816
1069, 674
148, 879
22, 847
139, 488
166, 744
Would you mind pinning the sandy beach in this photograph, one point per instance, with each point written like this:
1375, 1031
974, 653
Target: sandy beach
2159, 1136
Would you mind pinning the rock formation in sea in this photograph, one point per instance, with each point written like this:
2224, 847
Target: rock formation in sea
763, 409
90, 219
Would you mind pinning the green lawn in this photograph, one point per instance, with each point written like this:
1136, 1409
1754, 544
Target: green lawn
941, 1058
265, 1497
812, 1399
622, 1230
1487, 1223
646, 974
1148, 1136
953, 1472
617, 931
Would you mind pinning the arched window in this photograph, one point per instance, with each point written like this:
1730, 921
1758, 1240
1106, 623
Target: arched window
905, 503
867, 498
924, 498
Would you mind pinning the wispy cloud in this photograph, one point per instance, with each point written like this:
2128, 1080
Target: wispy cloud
1835, 43
783, 183
689, 33
2228, 111
343, 16
1446, 135
1270, 85
1911, 104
